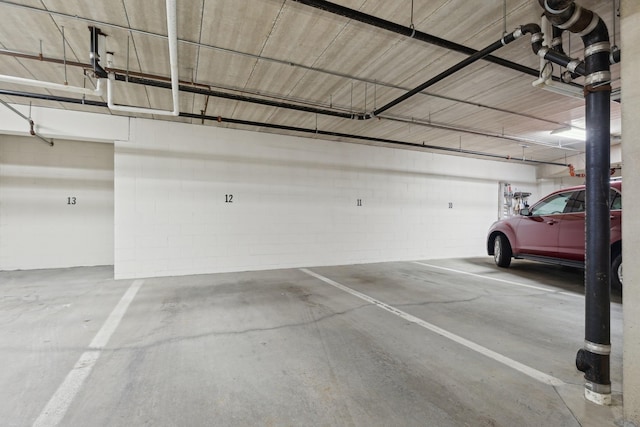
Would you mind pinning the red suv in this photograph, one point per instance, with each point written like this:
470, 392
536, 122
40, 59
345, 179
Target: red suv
553, 230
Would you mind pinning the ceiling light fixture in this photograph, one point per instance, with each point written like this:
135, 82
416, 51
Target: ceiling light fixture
571, 133
559, 88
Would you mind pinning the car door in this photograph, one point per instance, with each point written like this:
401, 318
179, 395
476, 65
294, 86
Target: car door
616, 215
571, 238
537, 233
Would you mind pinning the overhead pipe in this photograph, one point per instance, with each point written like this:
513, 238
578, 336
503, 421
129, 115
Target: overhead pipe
529, 28
220, 119
364, 138
201, 89
98, 91
321, 111
411, 32
184, 84
594, 358
226, 95
172, 37
46, 97
94, 57
417, 35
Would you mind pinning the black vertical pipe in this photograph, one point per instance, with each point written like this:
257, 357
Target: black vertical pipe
598, 256
598, 222
594, 358
94, 56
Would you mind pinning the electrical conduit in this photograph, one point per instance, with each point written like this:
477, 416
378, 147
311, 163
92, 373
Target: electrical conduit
98, 91
172, 35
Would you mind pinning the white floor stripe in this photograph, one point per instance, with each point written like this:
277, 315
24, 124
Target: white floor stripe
531, 372
495, 279
57, 406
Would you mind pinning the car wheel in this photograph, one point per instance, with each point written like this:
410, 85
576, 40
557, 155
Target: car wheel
502, 251
616, 272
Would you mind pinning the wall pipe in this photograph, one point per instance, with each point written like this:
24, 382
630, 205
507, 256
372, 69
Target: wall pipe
593, 359
364, 138
220, 119
32, 125
172, 37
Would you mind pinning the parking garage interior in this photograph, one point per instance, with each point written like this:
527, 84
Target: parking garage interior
276, 212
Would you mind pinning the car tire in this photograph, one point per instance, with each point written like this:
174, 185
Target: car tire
616, 272
502, 251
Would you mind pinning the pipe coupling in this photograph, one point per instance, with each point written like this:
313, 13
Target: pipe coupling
567, 77
598, 77
598, 388
537, 37
602, 349
596, 48
543, 52
614, 57
574, 18
571, 66
554, 11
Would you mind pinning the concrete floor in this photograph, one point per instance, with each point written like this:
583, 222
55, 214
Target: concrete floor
284, 348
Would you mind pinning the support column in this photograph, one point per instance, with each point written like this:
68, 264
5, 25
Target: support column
630, 34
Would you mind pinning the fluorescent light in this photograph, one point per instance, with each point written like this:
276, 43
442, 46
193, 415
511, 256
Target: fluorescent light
571, 133
559, 88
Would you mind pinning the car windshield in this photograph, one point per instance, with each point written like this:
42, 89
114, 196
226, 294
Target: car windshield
555, 204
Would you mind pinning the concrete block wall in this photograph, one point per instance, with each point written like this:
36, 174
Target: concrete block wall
193, 199
56, 203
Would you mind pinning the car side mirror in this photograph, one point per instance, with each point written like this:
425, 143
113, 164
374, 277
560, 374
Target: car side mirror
525, 212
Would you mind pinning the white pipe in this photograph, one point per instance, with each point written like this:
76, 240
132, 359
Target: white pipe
98, 91
172, 34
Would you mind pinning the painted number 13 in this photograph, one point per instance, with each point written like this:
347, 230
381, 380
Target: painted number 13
71, 200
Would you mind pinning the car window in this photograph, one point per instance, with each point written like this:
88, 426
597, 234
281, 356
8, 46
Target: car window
577, 203
616, 200
555, 204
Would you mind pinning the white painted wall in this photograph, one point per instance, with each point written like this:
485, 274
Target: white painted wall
294, 201
38, 229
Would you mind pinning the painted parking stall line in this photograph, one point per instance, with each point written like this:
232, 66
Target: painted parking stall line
495, 279
513, 364
59, 403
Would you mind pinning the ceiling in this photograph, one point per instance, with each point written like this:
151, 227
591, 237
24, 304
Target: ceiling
287, 52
